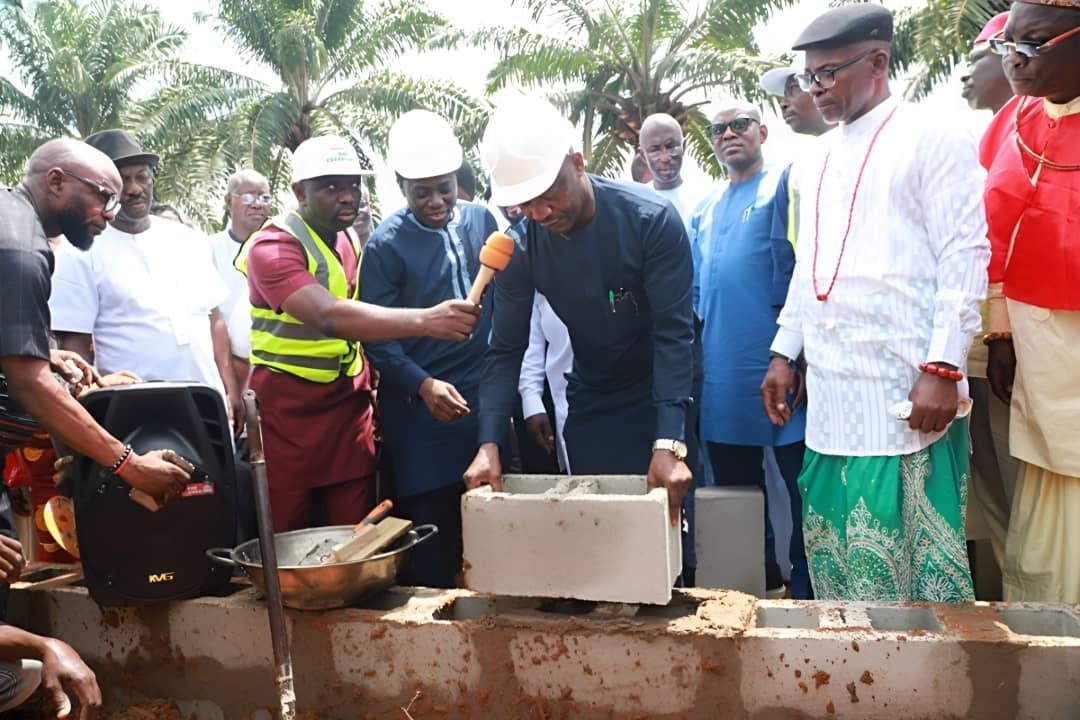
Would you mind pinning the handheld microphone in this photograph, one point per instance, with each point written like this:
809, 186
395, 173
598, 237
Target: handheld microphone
494, 256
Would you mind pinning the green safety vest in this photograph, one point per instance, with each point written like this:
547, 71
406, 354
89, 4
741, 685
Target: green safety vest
280, 341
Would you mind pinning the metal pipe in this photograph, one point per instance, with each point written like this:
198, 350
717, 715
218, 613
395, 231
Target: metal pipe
279, 634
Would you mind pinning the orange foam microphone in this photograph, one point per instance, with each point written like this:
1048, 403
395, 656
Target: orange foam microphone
494, 256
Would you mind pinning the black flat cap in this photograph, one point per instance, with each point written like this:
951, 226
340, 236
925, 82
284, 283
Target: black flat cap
847, 25
122, 148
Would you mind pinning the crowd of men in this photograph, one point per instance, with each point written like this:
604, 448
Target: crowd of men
894, 318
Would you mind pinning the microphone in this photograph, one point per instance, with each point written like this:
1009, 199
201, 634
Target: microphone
494, 256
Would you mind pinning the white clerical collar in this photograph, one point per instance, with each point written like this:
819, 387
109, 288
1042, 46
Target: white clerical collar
869, 122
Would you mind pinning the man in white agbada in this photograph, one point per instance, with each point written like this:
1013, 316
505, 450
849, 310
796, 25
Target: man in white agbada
549, 356
247, 197
145, 297
890, 271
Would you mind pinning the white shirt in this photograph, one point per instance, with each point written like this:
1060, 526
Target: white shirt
685, 198
237, 306
910, 284
146, 300
548, 353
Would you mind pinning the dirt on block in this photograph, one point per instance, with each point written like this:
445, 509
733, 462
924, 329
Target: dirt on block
155, 709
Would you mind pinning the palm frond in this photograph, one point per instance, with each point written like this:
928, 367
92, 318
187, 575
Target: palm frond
929, 41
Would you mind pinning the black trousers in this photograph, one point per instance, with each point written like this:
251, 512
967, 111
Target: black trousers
434, 563
7, 527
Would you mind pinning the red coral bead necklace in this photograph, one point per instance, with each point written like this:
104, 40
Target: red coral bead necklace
823, 296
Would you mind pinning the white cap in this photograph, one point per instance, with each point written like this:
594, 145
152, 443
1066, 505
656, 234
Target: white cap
423, 145
524, 146
325, 155
775, 81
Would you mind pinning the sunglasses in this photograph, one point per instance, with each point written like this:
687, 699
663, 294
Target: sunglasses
252, 198
826, 77
792, 89
1001, 46
738, 125
110, 199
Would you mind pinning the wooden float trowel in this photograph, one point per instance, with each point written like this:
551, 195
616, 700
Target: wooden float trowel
370, 535
369, 538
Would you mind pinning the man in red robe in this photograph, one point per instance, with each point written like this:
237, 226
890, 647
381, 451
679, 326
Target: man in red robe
1032, 150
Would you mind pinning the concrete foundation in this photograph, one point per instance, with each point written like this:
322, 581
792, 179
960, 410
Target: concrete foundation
707, 654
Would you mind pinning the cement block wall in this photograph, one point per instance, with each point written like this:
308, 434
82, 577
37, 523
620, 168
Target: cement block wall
708, 654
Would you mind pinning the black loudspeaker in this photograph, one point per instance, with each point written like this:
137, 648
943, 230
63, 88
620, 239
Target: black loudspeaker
130, 555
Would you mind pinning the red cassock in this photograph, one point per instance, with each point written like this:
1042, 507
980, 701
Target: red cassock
1040, 206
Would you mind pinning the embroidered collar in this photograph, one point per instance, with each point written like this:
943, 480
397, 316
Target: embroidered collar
1056, 111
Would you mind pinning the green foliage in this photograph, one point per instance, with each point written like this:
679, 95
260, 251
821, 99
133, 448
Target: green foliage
321, 66
614, 62
88, 66
77, 67
333, 68
932, 39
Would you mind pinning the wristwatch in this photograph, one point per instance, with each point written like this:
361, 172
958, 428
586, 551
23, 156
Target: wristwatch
675, 447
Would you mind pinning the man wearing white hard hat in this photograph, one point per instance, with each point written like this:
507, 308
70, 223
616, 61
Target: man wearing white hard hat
796, 105
802, 116
614, 262
425, 253
309, 370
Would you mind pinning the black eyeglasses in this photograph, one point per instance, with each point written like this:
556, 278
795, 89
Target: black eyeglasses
826, 77
738, 125
1028, 48
111, 199
252, 198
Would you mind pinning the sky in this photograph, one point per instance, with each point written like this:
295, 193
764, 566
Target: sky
468, 67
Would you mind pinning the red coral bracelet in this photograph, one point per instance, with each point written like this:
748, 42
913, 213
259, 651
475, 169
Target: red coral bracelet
954, 375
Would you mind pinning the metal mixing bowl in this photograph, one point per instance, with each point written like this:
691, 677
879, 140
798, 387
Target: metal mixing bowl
320, 587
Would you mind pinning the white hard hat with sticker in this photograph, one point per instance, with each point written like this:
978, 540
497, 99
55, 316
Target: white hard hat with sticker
325, 155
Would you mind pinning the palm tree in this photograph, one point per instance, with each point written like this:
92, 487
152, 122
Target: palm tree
332, 69
76, 68
615, 62
932, 39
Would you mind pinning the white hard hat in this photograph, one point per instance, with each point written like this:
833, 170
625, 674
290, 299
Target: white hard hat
524, 146
775, 81
423, 145
325, 155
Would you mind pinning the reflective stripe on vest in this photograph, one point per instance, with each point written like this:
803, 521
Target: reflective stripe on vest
282, 342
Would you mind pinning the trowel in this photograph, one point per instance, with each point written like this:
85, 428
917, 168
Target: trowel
322, 551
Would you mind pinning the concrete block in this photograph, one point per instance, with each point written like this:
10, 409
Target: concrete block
1040, 621
616, 545
730, 538
902, 618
